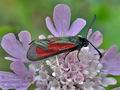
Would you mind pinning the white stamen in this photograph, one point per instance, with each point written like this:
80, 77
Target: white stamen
48, 63
54, 74
42, 37
50, 36
85, 72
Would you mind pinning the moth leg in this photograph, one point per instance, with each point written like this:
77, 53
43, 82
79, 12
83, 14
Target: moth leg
67, 54
78, 54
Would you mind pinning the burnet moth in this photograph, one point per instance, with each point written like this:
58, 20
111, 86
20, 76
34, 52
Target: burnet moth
44, 48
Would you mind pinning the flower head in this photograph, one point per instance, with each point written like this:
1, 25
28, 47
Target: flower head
90, 73
72, 74
61, 25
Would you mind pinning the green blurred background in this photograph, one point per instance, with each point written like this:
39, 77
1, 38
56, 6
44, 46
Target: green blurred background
17, 15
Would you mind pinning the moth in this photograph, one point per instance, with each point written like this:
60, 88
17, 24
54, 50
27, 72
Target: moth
44, 48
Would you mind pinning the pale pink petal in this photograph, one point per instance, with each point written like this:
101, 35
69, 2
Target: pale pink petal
96, 38
61, 17
78, 77
89, 33
22, 71
118, 88
111, 61
76, 27
51, 27
111, 53
22, 88
25, 38
41, 85
12, 81
69, 75
17, 59
12, 59
19, 68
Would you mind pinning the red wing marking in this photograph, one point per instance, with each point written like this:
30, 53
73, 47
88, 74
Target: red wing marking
53, 49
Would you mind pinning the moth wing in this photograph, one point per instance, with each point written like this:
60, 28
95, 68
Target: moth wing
37, 52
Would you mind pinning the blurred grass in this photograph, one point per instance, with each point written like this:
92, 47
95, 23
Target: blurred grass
17, 15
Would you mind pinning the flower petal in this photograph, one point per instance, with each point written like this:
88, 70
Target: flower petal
51, 27
12, 59
21, 88
22, 71
12, 81
19, 68
118, 88
42, 85
61, 17
12, 46
76, 27
96, 38
89, 33
25, 38
78, 77
111, 61
108, 81
111, 53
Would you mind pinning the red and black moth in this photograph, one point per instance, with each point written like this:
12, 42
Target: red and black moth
44, 48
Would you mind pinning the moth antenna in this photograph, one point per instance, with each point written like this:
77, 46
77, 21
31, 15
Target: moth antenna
96, 49
93, 20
